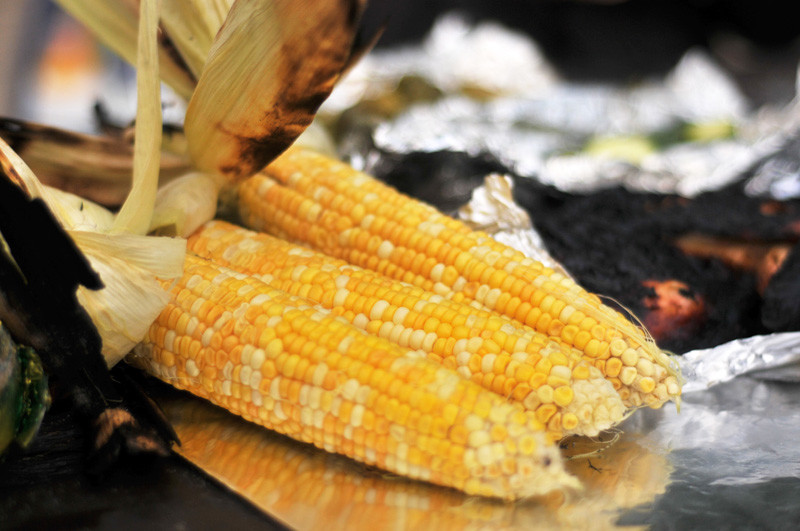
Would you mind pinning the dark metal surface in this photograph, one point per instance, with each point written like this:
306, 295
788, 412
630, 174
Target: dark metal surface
46, 487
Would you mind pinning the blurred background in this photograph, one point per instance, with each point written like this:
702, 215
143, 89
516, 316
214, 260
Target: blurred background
52, 72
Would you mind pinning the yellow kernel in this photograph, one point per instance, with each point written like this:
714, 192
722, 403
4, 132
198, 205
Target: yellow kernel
569, 421
646, 385
545, 412
563, 395
612, 367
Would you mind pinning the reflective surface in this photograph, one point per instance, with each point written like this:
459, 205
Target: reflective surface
729, 458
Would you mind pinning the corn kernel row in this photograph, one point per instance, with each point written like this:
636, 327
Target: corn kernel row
311, 198
275, 360
567, 394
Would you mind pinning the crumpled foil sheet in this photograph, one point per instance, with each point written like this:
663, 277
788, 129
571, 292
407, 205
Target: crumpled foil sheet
539, 125
761, 356
454, 56
492, 209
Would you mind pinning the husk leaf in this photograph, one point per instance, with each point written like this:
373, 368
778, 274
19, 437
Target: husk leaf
270, 67
192, 25
184, 204
132, 298
137, 211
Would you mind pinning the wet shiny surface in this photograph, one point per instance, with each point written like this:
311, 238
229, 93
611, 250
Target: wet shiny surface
728, 458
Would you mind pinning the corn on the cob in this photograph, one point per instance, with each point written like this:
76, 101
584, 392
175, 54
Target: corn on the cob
305, 196
568, 395
277, 361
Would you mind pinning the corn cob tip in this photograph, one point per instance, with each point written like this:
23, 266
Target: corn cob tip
597, 407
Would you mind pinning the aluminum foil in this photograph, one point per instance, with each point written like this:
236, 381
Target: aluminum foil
492, 209
454, 56
763, 356
539, 125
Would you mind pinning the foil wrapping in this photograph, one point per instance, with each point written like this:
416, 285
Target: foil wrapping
539, 126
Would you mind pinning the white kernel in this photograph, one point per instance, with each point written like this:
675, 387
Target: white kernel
441, 289
226, 388
315, 397
385, 330
255, 379
395, 333
460, 345
436, 272
340, 297
378, 309
417, 337
349, 389
260, 299
430, 339
297, 271
256, 398
459, 284
224, 318
357, 415
492, 296
367, 220
400, 315
275, 388
473, 422
191, 368
254, 357
245, 373
169, 340
405, 337
191, 326
193, 281
227, 370
561, 371
362, 395
385, 249
302, 396
320, 371
344, 344
484, 455
360, 321
487, 363
474, 343
336, 405
205, 340
463, 357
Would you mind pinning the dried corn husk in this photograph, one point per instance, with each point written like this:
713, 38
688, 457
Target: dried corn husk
184, 204
271, 66
127, 261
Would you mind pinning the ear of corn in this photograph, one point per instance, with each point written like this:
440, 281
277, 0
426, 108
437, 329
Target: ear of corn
567, 395
303, 372
308, 197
